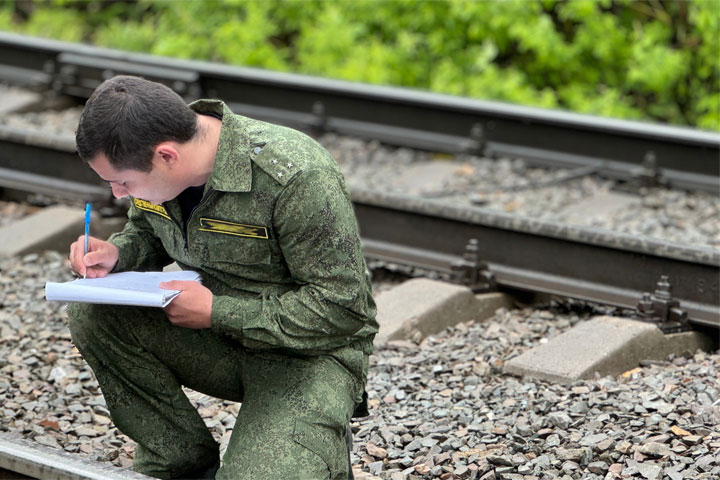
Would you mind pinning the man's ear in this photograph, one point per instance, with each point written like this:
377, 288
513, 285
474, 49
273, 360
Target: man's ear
167, 153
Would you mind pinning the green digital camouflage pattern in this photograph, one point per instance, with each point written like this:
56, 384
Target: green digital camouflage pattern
276, 241
294, 408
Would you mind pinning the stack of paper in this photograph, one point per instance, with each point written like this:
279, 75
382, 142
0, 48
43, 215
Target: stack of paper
125, 288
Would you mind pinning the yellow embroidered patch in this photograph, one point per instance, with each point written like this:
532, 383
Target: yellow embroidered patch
230, 228
151, 207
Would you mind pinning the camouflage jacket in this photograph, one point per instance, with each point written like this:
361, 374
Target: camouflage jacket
275, 239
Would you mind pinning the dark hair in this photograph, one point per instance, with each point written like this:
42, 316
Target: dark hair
127, 117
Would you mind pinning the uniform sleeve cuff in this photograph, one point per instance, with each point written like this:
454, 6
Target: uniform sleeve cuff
122, 263
228, 314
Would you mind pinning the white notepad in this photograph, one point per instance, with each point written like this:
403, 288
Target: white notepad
125, 288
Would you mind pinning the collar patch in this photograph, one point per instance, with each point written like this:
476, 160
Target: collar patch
151, 207
231, 228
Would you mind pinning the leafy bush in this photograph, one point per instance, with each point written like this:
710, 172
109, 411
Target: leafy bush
639, 59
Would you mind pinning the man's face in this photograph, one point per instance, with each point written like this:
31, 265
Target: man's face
156, 186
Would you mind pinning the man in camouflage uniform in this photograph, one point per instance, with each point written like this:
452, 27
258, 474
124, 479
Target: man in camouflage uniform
284, 318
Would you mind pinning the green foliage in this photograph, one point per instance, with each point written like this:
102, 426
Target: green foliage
59, 23
6, 17
639, 59
704, 85
248, 39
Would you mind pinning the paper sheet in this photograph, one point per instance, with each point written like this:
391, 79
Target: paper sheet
124, 288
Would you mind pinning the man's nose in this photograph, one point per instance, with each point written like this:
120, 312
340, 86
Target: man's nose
119, 191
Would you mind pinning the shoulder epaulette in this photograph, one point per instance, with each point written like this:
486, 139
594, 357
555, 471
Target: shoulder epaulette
275, 162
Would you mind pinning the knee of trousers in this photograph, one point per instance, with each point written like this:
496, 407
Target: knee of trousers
82, 318
91, 323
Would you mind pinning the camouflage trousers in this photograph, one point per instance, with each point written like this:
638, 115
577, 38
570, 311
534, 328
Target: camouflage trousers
294, 411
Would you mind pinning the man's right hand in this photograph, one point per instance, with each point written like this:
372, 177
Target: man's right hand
99, 261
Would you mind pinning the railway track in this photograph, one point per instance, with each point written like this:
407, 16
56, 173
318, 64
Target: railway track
489, 250
509, 252
474, 246
673, 285
648, 153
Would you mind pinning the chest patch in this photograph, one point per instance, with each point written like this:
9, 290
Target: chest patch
151, 207
231, 228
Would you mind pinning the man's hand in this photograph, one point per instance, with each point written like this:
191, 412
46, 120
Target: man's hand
192, 308
99, 261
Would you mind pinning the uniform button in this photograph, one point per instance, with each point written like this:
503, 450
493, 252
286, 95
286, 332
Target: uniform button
257, 150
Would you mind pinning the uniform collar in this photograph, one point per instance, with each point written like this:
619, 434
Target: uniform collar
239, 136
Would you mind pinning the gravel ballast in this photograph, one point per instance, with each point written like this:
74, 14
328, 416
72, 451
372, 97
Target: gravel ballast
439, 409
443, 410
13, 211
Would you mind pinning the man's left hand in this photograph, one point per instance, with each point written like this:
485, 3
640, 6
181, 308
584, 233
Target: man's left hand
192, 307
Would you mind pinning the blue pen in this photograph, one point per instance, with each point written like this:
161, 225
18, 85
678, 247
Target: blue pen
88, 209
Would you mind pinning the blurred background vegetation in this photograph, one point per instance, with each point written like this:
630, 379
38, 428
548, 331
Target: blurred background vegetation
637, 59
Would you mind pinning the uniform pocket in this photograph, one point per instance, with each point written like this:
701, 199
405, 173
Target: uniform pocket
232, 249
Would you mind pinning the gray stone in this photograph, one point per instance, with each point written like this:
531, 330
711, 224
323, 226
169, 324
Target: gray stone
376, 467
560, 420
654, 449
599, 468
500, 460
649, 470
579, 455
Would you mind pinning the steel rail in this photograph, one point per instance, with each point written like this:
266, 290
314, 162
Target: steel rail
576, 262
681, 157
22, 459
47, 164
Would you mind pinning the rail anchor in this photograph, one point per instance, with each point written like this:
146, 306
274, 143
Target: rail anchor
649, 175
472, 271
319, 122
661, 309
476, 142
